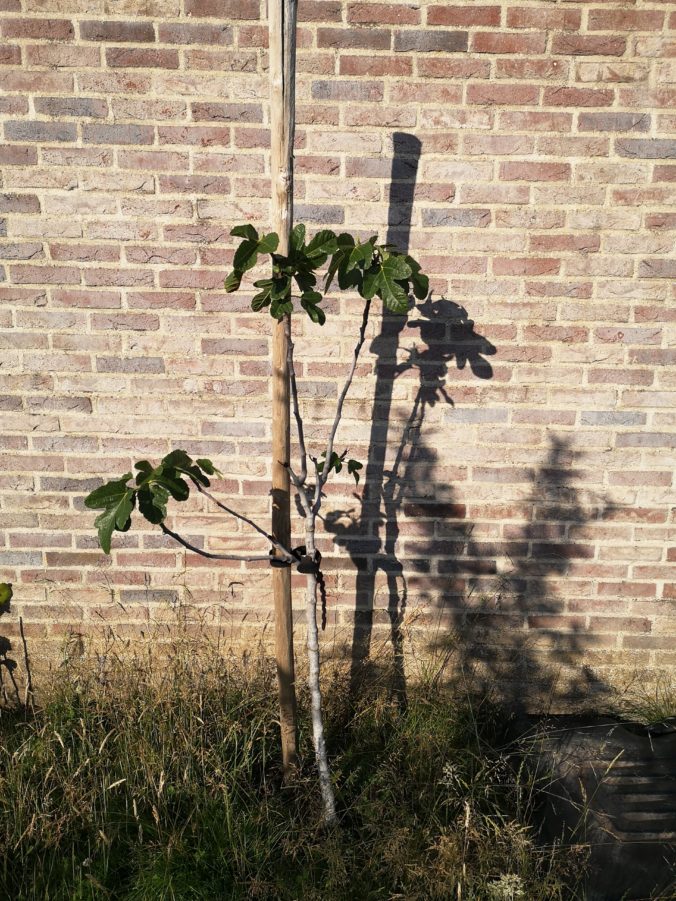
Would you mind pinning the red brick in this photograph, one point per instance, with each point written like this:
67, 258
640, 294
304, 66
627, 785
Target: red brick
664, 173
619, 624
45, 132
353, 38
554, 18
525, 266
19, 203
45, 275
588, 45
39, 29
200, 136
117, 32
227, 112
646, 148
320, 11
563, 96
531, 120
358, 91
373, 66
211, 35
491, 42
630, 20
10, 55
463, 16
84, 252
141, 58
421, 41
382, 14
531, 68
503, 94
118, 134
223, 9
431, 67
614, 121
15, 155
535, 172
80, 107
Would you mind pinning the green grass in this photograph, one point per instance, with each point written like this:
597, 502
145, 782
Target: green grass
147, 786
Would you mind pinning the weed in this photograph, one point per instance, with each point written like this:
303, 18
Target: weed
151, 783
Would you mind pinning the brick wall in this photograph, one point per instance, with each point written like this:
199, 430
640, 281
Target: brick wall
519, 428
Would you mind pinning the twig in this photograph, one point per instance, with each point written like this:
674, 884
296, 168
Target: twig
321, 481
280, 547
197, 550
302, 476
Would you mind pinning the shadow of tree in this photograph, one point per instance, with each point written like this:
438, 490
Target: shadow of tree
9, 686
489, 600
511, 633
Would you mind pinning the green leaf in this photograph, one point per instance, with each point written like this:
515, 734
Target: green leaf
323, 244
246, 256
297, 236
311, 297
208, 467
385, 283
145, 471
281, 288
152, 503
178, 461
107, 494
260, 301
349, 278
116, 516
268, 243
395, 266
6, 594
279, 309
360, 256
175, 485
245, 231
420, 283
233, 281
305, 280
177, 458
316, 314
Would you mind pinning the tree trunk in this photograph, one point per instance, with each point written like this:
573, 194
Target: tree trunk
328, 799
282, 20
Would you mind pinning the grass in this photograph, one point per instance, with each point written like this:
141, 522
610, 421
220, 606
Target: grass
144, 785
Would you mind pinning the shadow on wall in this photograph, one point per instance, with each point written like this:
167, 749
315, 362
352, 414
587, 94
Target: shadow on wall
490, 604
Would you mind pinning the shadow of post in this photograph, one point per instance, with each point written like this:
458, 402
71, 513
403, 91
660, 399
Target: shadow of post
371, 524
371, 537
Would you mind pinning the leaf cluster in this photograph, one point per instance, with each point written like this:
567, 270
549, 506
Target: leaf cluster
371, 269
336, 464
150, 491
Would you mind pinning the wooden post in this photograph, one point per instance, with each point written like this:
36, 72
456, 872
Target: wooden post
282, 21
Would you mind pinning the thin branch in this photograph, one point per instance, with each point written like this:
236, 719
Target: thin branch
321, 481
296, 409
280, 547
303, 492
197, 550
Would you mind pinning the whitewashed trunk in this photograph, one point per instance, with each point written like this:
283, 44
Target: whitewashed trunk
325, 785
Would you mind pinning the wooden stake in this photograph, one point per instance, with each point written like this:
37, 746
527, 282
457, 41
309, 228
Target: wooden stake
282, 20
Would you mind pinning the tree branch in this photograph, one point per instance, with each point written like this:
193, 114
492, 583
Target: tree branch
280, 547
302, 476
321, 481
197, 550
302, 490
